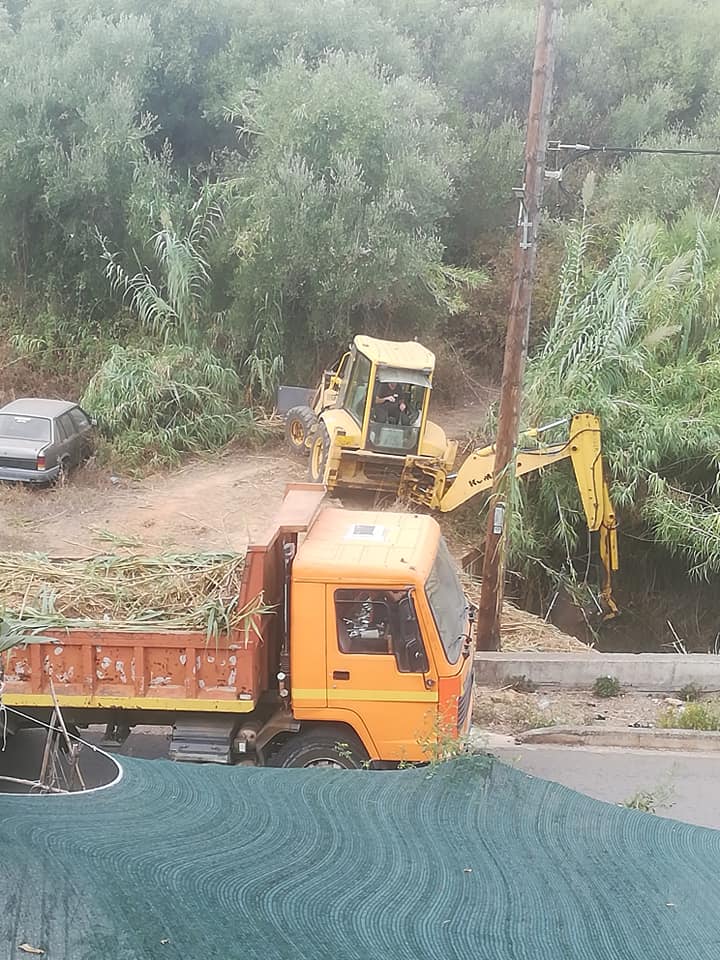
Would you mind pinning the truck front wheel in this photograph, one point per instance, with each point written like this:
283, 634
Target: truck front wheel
321, 748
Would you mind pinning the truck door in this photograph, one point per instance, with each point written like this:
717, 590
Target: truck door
379, 669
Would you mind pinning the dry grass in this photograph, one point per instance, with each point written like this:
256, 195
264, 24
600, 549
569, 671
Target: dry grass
507, 710
20, 377
524, 632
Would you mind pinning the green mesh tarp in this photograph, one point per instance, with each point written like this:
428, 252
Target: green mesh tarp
471, 860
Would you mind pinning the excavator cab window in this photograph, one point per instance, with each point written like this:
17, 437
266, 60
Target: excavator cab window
396, 411
357, 386
380, 622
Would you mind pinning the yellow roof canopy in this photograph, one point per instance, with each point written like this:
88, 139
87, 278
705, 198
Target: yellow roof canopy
408, 355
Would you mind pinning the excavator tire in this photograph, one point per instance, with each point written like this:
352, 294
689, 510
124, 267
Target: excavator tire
319, 452
321, 748
300, 423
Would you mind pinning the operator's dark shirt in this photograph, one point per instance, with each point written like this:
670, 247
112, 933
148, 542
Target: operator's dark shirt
385, 390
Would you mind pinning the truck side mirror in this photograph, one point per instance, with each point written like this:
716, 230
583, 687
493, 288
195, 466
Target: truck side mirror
411, 654
415, 657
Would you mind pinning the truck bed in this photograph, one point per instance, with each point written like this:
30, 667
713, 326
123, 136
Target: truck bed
169, 671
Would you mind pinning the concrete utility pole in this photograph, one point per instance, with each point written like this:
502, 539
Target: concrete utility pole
493, 583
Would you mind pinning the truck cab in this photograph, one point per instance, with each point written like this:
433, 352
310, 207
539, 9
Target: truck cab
379, 632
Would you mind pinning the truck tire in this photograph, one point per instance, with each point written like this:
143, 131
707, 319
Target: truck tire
334, 747
300, 423
319, 452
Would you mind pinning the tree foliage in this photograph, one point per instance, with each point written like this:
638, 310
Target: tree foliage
240, 185
154, 404
373, 144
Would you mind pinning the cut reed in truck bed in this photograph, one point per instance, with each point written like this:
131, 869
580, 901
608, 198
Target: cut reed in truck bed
166, 592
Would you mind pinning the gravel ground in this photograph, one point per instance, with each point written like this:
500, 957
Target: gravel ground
510, 712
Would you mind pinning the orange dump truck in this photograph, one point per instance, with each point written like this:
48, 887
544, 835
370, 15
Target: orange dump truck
365, 654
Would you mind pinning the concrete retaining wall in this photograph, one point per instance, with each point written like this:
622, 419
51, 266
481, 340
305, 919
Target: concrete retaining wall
646, 672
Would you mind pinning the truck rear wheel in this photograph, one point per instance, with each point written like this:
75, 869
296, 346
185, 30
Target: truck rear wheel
321, 748
300, 423
319, 452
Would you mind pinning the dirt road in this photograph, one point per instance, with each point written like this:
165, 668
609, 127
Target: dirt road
217, 502
204, 505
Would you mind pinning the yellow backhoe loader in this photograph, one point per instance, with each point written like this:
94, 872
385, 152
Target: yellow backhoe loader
366, 427
368, 416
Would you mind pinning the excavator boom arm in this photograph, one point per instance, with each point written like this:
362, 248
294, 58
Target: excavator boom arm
583, 448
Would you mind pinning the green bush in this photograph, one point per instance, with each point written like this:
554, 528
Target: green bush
695, 716
606, 687
151, 406
690, 692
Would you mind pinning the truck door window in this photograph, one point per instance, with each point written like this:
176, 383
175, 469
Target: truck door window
380, 622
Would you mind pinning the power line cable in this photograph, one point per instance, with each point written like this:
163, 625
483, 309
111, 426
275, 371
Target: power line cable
555, 146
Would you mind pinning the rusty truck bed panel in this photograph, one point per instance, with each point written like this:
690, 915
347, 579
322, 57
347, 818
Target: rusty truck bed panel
102, 668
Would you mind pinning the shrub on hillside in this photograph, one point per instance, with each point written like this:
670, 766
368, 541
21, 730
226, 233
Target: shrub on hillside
151, 406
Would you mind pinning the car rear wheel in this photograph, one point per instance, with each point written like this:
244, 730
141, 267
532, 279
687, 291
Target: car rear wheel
63, 472
300, 423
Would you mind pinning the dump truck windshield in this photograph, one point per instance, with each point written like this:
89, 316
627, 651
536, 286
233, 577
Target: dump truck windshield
447, 602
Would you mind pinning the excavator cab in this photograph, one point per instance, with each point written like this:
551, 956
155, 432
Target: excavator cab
365, 434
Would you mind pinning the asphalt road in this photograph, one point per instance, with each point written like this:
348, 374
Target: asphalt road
681, 786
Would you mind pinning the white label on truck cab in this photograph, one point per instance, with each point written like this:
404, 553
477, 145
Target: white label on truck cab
365, 531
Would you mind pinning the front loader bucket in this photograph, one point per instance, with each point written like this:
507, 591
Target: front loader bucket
410, 478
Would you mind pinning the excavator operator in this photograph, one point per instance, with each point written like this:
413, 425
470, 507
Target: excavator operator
392, 405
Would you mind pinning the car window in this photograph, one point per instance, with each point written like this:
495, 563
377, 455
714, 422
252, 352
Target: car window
15, 427
67, 426
79, 419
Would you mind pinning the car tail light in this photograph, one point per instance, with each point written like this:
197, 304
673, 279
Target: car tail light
41, 461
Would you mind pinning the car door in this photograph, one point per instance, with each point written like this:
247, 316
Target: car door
378, 668
67, 446
83, 427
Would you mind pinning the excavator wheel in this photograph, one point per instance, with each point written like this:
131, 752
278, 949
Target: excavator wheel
338, 748
319, 452
299, 425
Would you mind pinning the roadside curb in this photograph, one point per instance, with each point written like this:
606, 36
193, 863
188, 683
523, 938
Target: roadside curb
642, 738
646, 672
